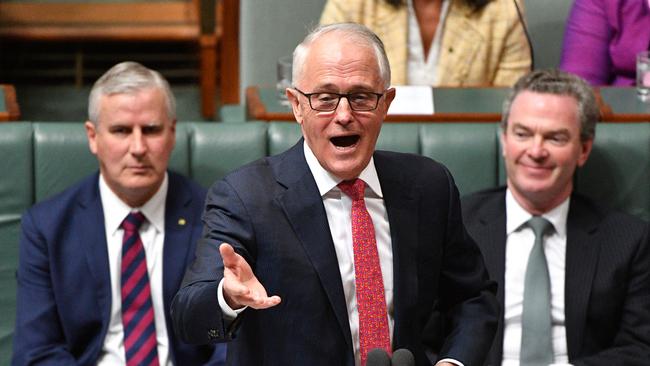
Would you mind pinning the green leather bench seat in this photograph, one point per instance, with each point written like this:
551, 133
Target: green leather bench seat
41, 159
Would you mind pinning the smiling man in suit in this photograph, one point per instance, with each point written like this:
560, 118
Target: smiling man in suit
574, 277
100, 262
359, 249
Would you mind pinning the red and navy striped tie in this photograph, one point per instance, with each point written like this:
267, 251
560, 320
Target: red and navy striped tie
140, 342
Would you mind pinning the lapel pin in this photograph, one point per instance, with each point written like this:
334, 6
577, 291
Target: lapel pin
182, 221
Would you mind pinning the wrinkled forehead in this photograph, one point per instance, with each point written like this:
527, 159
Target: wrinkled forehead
343, 55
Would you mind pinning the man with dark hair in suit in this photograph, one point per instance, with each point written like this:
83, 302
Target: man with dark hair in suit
359, 249
574, 277
100, 262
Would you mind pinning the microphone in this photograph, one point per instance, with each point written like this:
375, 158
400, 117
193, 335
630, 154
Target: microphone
403, 357
377, 357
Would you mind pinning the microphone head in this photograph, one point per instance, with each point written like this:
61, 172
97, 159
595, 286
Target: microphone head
403, 357
377, 357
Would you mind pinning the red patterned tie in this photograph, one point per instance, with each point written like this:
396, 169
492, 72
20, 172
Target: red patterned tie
140, 343
371, 300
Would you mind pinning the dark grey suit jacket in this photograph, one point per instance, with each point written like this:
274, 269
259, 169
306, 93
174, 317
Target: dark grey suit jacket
272, 213
607, 280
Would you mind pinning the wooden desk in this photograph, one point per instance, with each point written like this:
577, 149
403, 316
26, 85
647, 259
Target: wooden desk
462, 105
450, 105
622, 105
9, 110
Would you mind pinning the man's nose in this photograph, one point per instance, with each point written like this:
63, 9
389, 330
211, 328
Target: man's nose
538, 150
343, 112
138, 142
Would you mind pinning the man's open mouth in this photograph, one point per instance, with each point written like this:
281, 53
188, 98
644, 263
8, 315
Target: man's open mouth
345, 141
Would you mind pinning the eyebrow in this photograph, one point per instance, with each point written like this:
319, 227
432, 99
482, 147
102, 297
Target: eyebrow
560, 130
353, 89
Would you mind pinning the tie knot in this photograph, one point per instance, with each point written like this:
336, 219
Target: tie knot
539, 225
133, 221
353, 188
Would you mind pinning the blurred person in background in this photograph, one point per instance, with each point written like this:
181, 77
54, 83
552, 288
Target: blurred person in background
443, 42
602, 39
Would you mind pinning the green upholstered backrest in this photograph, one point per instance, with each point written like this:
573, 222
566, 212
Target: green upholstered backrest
62, 156
463, 148
16, 195
402, 137
216, 149
618, 170
282, 135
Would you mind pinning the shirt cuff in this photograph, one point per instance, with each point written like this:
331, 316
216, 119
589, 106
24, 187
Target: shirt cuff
226, 310
450, 360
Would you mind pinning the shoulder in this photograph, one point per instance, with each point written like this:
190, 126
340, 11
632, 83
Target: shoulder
608, 221
180, 182
79, 193
474, 204
412, 165
57, 212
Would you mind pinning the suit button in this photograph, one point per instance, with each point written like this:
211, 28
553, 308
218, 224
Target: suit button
213, 334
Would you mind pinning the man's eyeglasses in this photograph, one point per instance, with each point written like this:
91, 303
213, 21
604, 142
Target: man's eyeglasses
358, 101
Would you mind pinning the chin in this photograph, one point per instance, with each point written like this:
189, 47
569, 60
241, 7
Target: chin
346, 171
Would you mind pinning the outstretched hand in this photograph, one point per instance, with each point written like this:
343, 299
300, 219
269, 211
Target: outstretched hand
240, 286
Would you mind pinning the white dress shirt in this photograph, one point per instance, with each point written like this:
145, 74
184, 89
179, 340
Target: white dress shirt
421, 71
519, 243
152, 234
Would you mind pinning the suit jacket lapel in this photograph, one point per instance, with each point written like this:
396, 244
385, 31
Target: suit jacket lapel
179, 221
581, 259
93, 239
304, 209
402, 211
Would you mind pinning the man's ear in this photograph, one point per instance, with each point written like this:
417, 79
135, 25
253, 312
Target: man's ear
292, 96
389, 96
91, 133
502, 140
585, 150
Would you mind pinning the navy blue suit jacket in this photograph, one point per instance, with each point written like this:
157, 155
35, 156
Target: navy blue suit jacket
64, 291
607, 278
272, 213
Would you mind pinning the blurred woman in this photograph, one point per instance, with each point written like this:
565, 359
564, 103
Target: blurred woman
443, 42
602, 39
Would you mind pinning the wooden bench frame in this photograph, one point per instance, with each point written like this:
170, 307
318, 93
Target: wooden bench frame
12, 112
145, 21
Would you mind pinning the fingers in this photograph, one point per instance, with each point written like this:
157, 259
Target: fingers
259, 302
228, 255
241, 287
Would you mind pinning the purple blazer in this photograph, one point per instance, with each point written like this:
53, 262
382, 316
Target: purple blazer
602, 39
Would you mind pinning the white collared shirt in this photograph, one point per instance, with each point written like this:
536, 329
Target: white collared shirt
338, 207
421, 71
152, 234
519, 243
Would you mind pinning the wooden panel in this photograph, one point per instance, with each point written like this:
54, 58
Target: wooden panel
177, 12
12, 112
119, 21
230, 52
94, 33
